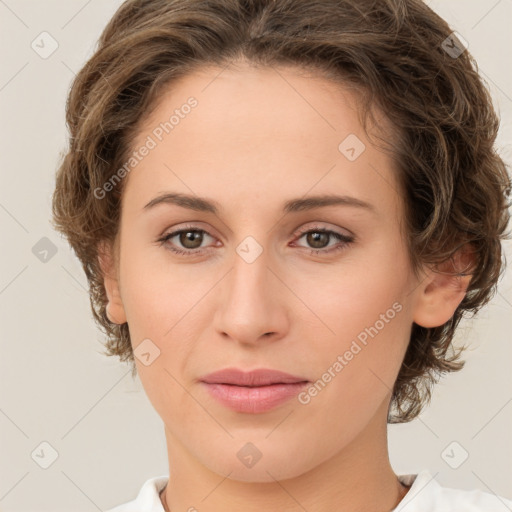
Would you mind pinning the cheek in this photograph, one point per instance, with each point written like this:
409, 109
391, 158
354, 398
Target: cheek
344, 299
356, 373
159, 310
359, 315
165, 305
156, 293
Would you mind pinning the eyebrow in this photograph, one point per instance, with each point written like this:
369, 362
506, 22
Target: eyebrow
293, 205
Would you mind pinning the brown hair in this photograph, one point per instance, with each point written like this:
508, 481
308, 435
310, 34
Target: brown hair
395, 53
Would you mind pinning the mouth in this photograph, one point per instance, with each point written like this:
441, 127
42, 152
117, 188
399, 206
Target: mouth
254, 378
253, 392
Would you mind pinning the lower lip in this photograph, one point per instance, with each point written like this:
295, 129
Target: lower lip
256, 399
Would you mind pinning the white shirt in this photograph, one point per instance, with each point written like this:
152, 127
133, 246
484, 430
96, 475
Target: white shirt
425, 495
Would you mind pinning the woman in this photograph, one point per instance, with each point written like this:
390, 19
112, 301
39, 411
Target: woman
283, 210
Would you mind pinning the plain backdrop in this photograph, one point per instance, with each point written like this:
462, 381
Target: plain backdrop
65, 406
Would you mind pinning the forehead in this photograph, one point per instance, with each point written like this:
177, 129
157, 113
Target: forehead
262, 133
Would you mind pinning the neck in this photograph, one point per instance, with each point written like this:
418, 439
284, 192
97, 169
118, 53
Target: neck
358, 478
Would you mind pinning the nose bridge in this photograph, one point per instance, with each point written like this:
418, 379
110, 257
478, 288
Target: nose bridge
249, 281
248, 306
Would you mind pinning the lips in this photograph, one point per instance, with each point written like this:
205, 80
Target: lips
253, 392
254, 378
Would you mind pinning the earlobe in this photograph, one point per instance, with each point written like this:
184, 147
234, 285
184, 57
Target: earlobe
115, 308
443, 290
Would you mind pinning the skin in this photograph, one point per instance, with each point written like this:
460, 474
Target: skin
258, 138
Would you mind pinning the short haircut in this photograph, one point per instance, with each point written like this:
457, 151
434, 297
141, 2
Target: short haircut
397, 55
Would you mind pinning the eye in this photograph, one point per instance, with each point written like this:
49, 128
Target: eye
191, 238
319, 237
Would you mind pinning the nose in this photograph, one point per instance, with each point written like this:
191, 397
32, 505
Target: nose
251, 305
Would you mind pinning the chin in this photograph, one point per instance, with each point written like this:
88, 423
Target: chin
259, 462
262, 472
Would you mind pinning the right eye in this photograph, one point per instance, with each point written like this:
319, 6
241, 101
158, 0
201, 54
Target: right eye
190, 235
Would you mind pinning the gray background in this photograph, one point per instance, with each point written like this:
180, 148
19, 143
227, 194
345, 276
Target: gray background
57, 388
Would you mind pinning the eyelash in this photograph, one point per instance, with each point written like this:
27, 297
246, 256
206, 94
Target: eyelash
344, 239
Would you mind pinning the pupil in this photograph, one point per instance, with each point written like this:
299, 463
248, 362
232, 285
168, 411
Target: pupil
315, 237
191, 236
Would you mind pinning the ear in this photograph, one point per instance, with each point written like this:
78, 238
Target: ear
115, 308
441, 292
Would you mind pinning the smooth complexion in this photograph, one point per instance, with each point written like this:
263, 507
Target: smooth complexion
257, 139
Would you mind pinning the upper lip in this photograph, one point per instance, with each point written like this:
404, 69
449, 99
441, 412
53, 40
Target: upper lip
259, 377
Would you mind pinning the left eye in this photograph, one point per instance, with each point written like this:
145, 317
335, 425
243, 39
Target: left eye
192, 238
318, 236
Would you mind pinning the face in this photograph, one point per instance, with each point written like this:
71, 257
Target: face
325, 293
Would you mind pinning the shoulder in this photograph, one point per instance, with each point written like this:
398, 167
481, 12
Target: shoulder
148, 499
427, 494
